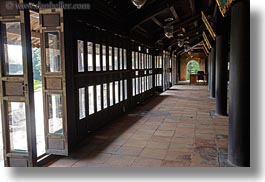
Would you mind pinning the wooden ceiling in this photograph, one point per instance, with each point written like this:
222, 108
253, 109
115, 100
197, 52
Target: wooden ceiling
148, 22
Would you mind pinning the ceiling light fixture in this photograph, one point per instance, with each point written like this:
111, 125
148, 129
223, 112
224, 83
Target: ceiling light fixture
168, 31
138, 3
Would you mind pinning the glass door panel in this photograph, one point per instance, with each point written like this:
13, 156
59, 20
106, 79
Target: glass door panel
12, 44
17, 126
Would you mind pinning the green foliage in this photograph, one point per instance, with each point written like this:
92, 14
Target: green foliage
37, 85
36, 61
192, 68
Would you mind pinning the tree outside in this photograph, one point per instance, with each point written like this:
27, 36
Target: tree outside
192, 68
36, 60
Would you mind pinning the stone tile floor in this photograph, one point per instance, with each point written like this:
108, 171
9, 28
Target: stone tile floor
175, 129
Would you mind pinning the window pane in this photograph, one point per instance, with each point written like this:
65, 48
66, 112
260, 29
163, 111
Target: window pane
121, 90
140, 85
151, 83
80, 45
17, 126
116, 92
125, 90
110, 58
111, 93
137, 86
144, 61
52, 49
12, 48
147, 83
116, 62
133, 86
90, 56
136, 60
105, 96
91, 100
133, 60
140, 60
98, 97
143, 84
82, 104
55, 113
160, 62
104, 59
125, 58
121, 59
98, 57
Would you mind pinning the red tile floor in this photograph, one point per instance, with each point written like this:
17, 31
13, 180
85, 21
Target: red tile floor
175, 129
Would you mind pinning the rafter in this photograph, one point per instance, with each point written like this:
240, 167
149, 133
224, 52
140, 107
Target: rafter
193, 8
174, 13
157, 21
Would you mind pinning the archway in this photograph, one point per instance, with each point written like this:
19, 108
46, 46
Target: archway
192, 68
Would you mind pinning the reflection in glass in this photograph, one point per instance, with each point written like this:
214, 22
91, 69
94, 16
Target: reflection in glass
104, 58
121, 90
116, 92
91, 107
11, 36
111, 93
80, 46
90, 56
125, 58
116, 61
52, 52
105, 95
110, 59
98, 57
55, 113
121, 59
98, 97
17, 126
125, 90
82, 105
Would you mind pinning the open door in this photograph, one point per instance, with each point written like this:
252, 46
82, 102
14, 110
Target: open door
54, 88
16, 87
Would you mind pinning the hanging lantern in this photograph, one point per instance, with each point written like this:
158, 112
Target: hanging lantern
168, 31
138, 3
187, 48
180, 42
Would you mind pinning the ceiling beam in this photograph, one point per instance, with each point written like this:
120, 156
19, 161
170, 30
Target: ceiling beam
142, 29
174, 13
193, 8
157, 21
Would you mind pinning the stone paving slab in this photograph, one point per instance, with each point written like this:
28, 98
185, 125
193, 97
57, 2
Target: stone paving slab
175, 129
